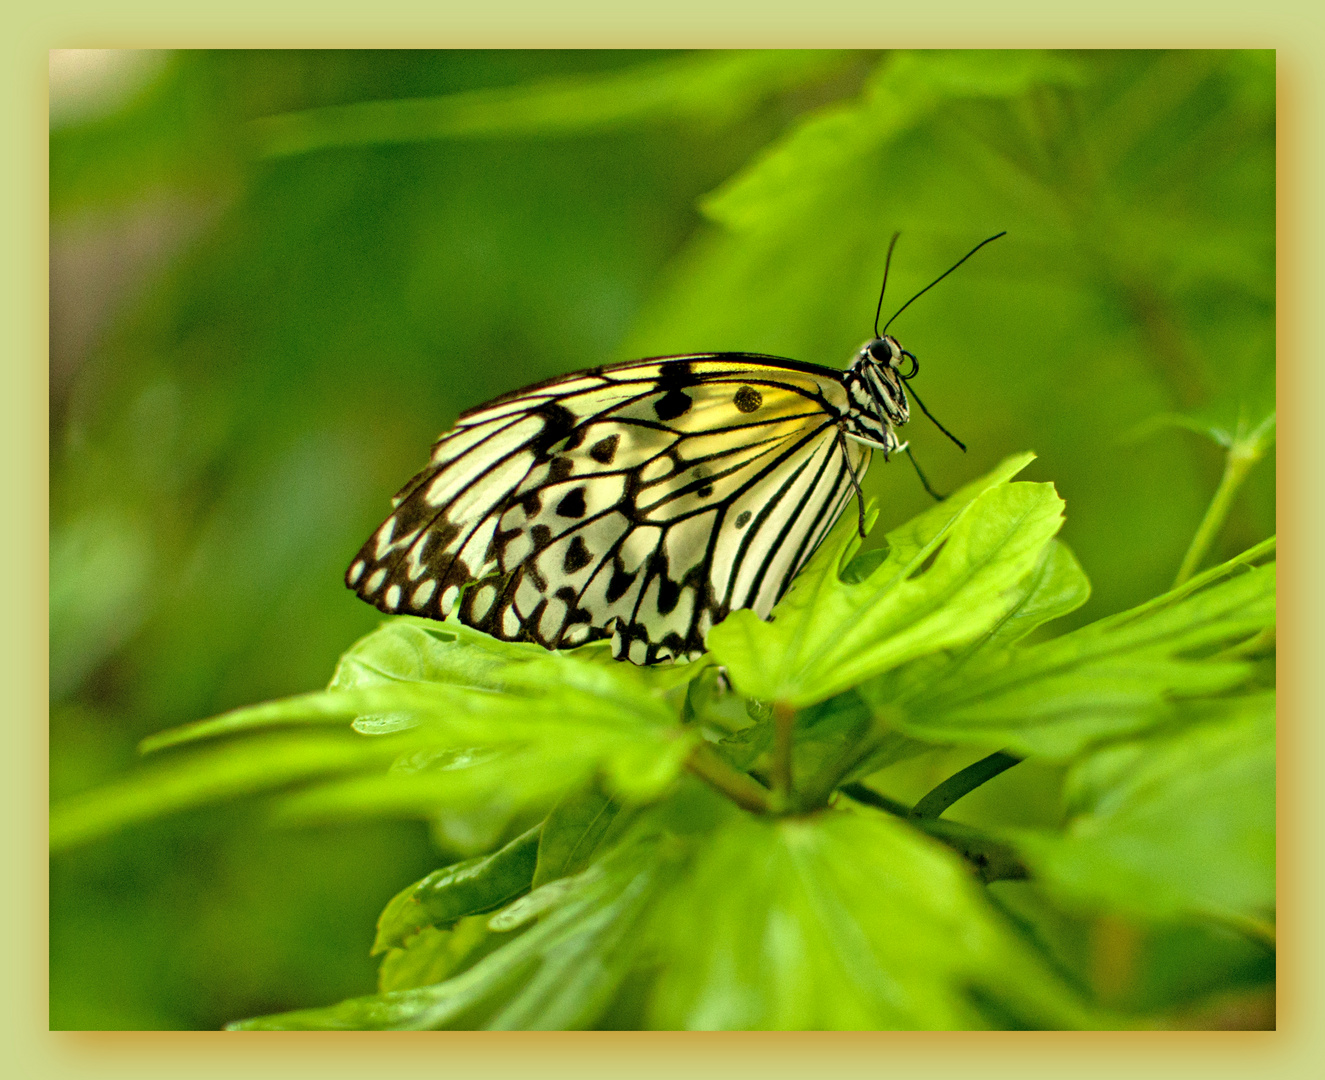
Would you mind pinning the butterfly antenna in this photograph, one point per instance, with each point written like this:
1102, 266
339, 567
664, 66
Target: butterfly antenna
945, 431
926, 289
923, 479
886, 263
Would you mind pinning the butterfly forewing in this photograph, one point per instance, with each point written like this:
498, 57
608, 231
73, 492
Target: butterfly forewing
640, 502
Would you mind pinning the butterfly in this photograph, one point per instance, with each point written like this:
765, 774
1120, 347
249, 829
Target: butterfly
640, 502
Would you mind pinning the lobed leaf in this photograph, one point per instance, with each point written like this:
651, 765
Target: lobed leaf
470, 724
1056, 587
410, 649
840, 920
410, 671
948, 578
836, 920
559, 973
1178, 824
529, 778
1241, 416
1112, 677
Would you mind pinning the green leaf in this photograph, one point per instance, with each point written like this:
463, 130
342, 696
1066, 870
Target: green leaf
712, 705
830, 144
409, 649
559, 973
432, 955
404, 673
580, 825
1056, 587
1241, 416
837, 741
947, 580
1241, 419
531, 777
715, 87
1243, 429
823, 735
1113, 677
456, 744
827, 732
913, 537
527, 780
840, 920
1174, 825
214, 775
467, 888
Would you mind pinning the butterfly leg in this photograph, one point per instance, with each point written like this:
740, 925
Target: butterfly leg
934, 494
855, 483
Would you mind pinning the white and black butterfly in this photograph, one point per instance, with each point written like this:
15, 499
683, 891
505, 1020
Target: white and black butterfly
640, 501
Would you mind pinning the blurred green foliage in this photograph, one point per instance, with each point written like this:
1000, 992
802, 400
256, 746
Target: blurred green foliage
316, 260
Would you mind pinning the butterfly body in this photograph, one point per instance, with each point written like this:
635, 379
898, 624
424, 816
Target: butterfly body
640, 502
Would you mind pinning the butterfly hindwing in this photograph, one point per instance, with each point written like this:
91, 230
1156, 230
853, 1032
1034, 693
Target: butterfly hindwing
640, 502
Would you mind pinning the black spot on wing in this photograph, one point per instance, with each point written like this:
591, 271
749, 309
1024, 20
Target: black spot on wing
672, 404
604, 450
572, 504
577, 556
669, 592
620, 583
673, 378
748, 399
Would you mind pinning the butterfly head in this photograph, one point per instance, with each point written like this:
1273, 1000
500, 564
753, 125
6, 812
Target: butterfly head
881, 367
887, 351
875, 383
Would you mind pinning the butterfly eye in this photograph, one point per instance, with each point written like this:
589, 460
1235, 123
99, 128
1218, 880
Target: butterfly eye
880, 350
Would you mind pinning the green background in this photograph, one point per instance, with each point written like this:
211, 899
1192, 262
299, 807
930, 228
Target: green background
259, 325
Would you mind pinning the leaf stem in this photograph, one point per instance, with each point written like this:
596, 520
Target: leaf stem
1237, 463
992, 859
963, 783
742, 789
867, 795
784, 717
